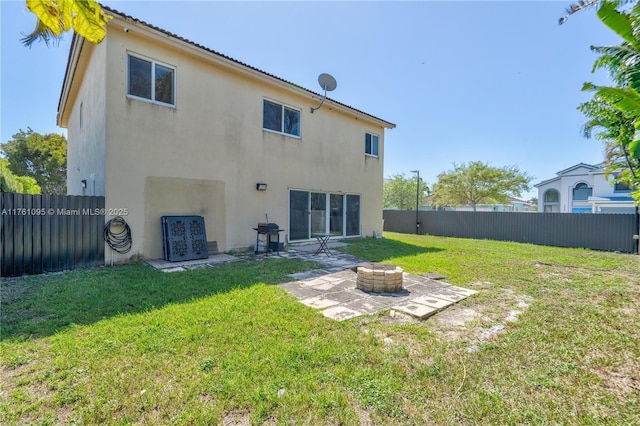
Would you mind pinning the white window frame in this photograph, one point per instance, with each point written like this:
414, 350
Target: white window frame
371, 154
581, 185
283, 106
550, 204
153, 81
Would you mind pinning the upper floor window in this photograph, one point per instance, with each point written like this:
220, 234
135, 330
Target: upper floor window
552, 201
371, 144
280, 118
551, 196
581, 192
151, 80
621, 187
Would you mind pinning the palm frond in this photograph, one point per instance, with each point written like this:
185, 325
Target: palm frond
621, 23
576, 7
626, 100
41, 33
622, 62
85, 17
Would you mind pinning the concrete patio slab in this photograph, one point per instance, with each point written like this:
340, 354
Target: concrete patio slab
332, 288
176, 269
304, 293
337, 279
449, 295
435, 276
189, 264
433, 301
464, 291
327, 286
342, 296
367, 306
416, 309
313, 247
421, 297
340, 313
293, 285
320, 302
313, 282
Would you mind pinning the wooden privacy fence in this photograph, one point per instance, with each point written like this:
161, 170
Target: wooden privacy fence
49, 233
607, 232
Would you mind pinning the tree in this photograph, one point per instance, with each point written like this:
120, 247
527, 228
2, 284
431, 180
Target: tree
614, 112
42, 157
477, 183
615, 129
400, 192
55, 17
576, 7
12, 183
28, 185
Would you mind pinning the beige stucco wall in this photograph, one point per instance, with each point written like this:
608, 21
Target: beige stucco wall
86, 141
206, 155
175, 196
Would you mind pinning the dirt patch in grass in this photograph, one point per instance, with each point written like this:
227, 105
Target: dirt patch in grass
621, 380
476, 323
550, 270
237, 418
470, 323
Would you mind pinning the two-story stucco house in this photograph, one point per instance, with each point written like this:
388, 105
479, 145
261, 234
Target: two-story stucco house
160, 125
584, 188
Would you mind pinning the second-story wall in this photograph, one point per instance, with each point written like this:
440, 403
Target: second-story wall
211, 149
86, 122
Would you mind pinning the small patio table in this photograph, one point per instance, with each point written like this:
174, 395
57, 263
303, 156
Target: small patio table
323, 239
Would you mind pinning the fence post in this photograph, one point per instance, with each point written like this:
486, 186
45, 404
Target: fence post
636, 237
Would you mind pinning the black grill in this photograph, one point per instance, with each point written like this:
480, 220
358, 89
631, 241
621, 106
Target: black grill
269, 230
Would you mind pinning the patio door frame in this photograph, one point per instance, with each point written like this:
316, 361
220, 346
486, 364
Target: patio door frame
312, 223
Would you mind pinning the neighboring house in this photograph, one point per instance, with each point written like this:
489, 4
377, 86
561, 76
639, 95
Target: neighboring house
160, 125
584, 188
514, 205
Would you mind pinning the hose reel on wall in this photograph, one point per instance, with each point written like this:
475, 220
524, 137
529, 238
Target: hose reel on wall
117, 235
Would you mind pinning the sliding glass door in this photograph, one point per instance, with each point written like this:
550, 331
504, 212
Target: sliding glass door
352, 216
337, 214
318, 213
322, 212
298, 215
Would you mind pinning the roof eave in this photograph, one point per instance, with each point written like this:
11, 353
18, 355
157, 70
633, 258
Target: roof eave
545, 182
72, 62
591, 167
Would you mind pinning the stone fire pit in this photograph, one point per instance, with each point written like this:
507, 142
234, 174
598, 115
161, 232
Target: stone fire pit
379, 278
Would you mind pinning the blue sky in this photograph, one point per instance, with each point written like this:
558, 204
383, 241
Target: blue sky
491, 81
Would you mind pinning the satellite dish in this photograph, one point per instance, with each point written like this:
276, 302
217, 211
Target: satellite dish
328, 84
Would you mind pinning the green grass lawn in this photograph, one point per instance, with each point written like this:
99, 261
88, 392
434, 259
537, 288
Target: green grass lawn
551, 337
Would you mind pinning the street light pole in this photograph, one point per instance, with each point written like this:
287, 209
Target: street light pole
417, 200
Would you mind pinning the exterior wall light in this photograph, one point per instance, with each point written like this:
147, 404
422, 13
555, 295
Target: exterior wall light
261, 186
